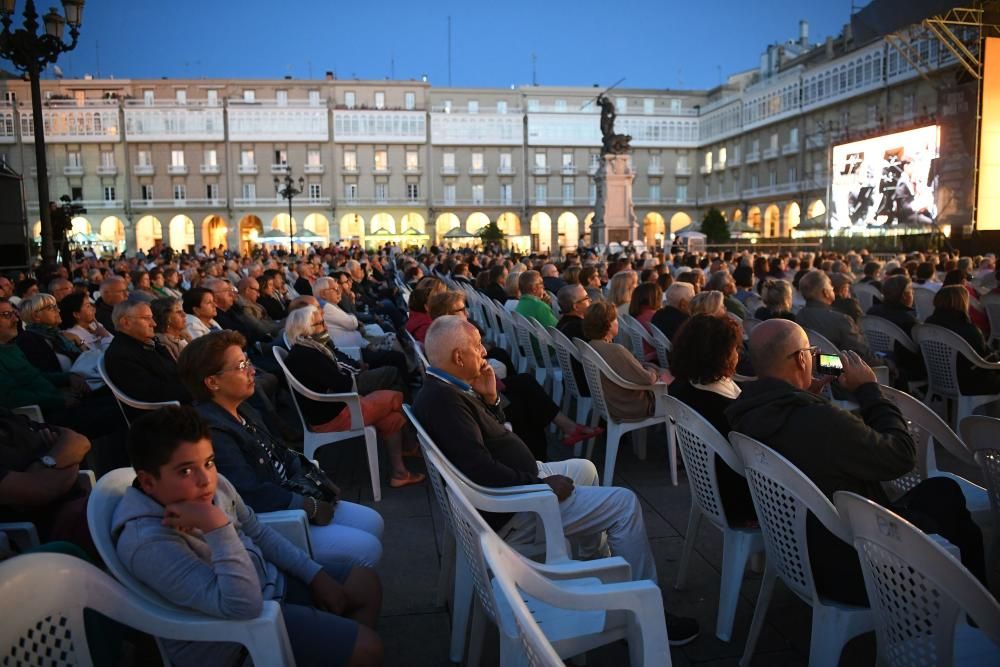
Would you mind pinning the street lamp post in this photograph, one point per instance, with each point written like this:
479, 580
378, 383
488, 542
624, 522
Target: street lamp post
31, 53
286, 189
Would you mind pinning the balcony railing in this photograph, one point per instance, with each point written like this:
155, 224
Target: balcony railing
770, 153
177, 169
143, 170
753, 156
89, 204
705, 169
177, 203
654, 170
505, 171
540, 170
380, 201
281, 168
247, 169
382, 169
734, 161
790, 148
568, 170
313, 169
210, 169
349, 169
718, 166
107, 170
449, 171
477, 202
73, 170
478, 171
412, 169
682, 170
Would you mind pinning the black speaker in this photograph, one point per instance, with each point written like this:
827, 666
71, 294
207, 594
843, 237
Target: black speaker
13, 227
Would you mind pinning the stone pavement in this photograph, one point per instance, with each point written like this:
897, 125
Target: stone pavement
415, 629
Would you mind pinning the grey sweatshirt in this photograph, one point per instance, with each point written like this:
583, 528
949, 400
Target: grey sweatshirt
226, 573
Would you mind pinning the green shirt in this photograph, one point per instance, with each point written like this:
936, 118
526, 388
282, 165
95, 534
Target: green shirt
23, 384
536, 309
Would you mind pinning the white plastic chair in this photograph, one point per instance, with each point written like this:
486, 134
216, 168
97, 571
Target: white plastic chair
882, 337
941, 349
312, 441
920, 593
101, 504
523, 331
570, 633
510, 333
927, 428
783, 497
662, 346
824, 344
982, 436
536, 498
991, 304
45, 595
923, 302
596, 369
637, 335
32, 412
866, 295
700, 443
124, 400
566, 354
553, 371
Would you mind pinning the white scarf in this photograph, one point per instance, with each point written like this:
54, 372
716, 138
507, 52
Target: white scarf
723, 387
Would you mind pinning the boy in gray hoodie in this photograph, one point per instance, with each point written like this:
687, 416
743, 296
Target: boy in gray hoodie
184, 531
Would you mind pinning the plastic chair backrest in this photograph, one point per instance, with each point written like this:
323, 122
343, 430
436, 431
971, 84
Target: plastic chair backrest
351, 400
926, 428
546, 348
923, 302
866, 295
123, 399
991, 304
824, 344
940, 348
982, 435
566, 353
510, 332
882, 334
633, 329
699, 443
783, 497
437, 483
502, 561
916, 588
592, 370
662, 346
523, 330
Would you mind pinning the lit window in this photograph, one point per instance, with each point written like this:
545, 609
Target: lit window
412, 160
381, 160
313, 157
177, 158
249, 95
477, 161
350, 161
478, 193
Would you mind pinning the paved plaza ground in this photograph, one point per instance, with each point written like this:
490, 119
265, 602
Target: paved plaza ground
416, 630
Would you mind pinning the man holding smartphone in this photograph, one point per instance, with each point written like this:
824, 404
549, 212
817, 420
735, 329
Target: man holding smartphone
843, 451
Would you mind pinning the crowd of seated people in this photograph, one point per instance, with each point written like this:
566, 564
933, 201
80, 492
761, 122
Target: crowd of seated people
198, 328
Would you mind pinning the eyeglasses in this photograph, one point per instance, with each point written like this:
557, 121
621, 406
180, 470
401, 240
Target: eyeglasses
51, 306
242, 367
463, 309
8, 314
586, 298
813, 351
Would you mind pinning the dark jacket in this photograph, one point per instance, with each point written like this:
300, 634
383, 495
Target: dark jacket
838, 328
144, 372
236, 320
274, 309
971, 380
911, 364
553, 284
764, 313
849, 307
241, 454
473, 438
103, 315
303, 287
836, 449
41, 355
572, 327
668, 320
494, 291
321, 374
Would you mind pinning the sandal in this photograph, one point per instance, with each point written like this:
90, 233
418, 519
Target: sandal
411, 478
582, 432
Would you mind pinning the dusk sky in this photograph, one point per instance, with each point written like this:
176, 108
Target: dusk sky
653, 44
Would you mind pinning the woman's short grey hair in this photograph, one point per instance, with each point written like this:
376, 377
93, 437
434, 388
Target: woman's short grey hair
33, 304
777, 295
706, 303
299, 323
162, 308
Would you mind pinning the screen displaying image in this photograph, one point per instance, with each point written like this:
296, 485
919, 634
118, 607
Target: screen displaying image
886, 181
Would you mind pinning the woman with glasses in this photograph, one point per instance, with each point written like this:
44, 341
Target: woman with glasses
267, 474
46, 347
314, 364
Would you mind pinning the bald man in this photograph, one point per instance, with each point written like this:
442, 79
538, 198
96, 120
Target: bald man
843, 451
460, 407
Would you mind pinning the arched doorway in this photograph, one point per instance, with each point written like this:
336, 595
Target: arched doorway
148, 231
182, 233
251, 228
80, 225
541, 231
382, 222
737, 215
318, 224
113, 232
587, 222
412, 223
476, 221
815, 209
280, 221
679, 221
213, 232
445, 223
753, 217
772, 222
654, 228
509, 223
352, 227
792, 216
568, 228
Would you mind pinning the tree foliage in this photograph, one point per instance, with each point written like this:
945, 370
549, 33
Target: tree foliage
714, 226
492, 233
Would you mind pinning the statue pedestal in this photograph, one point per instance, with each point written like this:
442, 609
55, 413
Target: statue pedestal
614, 216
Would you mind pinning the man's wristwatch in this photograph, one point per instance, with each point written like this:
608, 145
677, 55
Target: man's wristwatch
47, 461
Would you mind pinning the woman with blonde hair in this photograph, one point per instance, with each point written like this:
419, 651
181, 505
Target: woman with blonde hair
710, 302
620, 289
513, 289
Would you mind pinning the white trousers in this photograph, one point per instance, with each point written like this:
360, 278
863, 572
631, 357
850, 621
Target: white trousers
354, 537
591, 512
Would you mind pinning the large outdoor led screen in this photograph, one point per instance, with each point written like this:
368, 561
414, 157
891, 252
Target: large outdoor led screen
886, 182
988, 207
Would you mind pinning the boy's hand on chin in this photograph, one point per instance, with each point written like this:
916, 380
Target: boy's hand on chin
189, 515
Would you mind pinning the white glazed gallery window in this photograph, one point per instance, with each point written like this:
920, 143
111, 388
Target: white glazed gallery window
568, 193
478, 193
477, 162
181, 96
247, 157
448, 193
533, 105
281, 98
541, 193
213, 98
473, 106
314, 98
412, 160
502, 106
107, 159
381, 160
559, 105
506, 162
148, 97
146, 192
675, 104
73, 159
648, 105
621, 104
313, 157
567, 159
540, 159
448, 160
315, 190
409, 101
351, 191
682, 193
249, 95
211, 157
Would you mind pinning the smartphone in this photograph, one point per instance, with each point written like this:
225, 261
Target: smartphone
830, 364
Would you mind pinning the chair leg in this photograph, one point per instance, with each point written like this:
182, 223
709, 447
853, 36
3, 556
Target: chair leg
371, 445
671, 451
611, 454
582, 408
639, 443
446, 575
461, 606
476, 635
694, 518
735, 552
831, 630
595, 420
759, 612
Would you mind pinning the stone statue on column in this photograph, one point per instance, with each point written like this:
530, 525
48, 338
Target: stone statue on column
614, 216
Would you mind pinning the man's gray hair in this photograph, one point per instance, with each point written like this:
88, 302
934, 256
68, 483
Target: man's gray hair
110, 282
567, 297
215, 284
299, 323
811, 285
444, 336
125, 309
718, 280
677, 292
322, 284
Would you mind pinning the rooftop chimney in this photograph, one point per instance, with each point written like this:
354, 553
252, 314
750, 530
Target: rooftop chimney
803, 33
848, 34
829, 47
